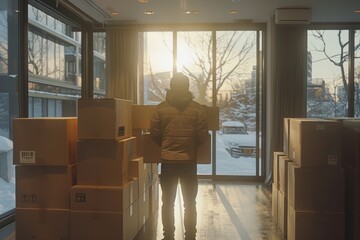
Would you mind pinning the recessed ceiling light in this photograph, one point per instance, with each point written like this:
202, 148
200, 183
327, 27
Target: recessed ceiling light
149, 12
191, 11
143, 1
234, 11
114, 13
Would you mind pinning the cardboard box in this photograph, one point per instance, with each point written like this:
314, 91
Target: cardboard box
315, 142
104, 198
316, 189
276, 168
213, 118
141, 171
203, 155
44, 186
104, 118
282, 212
311, 225
142, 115
274, 204
144, 208
283, 173
352, 203
105, 162
95, 225
45, 141
152, 150
351, 143
42, 223
138, 134
286, 136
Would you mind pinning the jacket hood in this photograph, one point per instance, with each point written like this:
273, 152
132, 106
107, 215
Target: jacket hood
179, 99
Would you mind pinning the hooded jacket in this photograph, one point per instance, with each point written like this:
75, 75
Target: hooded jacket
179, 125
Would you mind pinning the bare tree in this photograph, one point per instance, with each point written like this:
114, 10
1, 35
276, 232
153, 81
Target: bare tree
233, 50
3, 42
341, 58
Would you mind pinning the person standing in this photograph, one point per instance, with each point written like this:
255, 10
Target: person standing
179, 126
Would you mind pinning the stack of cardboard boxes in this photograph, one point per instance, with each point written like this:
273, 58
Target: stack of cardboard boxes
45, 156
311, 194
83, 177
351, 164
145, 166
104, 200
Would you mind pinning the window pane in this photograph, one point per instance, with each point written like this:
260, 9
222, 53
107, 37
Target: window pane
327, 73
9, 97
53, 67
357, 73
236, 86
99, 64
236, 97
194, 59
157, 65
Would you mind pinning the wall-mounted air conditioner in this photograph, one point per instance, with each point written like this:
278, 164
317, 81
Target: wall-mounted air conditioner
92, 8
292, 16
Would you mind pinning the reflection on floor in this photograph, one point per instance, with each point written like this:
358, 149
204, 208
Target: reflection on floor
226, 211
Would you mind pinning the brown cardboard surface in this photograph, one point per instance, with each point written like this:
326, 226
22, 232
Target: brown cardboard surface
282, 212
104, 198
141, 171
141, 116
351, 143
315, 142
213, 118
316, 189
274, 204
42, 223
286, 136
151, 150
144, 208
283, 173
44, 186
276, 168
138, 134
311, 225
104, 118
105, 162
45, 141
95, 225
203, 155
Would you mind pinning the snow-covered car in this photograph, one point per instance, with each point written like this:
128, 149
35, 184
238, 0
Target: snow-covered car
237, 140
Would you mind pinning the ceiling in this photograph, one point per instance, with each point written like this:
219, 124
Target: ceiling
213, 11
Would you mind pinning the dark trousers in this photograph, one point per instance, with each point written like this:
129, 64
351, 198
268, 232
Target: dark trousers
170, 175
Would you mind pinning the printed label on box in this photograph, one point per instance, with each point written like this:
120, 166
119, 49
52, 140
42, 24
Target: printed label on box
121, 131
80, 197
28, 198
27, 156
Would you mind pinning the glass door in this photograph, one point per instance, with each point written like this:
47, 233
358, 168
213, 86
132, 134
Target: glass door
224, 68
